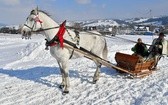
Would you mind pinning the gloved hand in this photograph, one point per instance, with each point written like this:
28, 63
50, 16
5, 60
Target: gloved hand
158, 46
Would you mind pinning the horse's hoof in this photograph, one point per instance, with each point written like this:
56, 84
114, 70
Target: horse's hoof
65, 92
94, 81
61, 86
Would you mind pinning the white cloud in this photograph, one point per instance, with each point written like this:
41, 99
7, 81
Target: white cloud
83, 1
10, 2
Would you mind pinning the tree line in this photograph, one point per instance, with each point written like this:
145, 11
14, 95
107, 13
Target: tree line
9, 30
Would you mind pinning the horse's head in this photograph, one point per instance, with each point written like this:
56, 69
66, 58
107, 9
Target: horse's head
32, 24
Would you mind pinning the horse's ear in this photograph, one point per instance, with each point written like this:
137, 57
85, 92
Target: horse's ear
36, 10
32, 12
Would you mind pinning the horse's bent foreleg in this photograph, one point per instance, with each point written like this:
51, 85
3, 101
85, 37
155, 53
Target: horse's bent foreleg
97, 73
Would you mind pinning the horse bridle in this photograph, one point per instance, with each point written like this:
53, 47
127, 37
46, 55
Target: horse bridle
36, 19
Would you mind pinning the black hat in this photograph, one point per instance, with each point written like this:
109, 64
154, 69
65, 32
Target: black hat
139, 40
161, 34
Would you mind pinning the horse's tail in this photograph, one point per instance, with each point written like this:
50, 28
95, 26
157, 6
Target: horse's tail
105, 51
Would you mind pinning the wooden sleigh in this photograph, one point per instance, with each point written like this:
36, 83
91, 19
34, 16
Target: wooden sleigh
132, 64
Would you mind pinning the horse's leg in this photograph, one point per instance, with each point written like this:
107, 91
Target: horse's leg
65, 68
63, 79
97, 73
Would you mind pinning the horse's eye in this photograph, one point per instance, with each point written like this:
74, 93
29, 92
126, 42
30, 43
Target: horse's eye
31, 19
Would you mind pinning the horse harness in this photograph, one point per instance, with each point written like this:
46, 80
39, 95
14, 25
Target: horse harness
56, 39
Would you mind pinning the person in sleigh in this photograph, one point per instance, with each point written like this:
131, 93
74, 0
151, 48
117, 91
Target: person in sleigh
140, 50
158, 48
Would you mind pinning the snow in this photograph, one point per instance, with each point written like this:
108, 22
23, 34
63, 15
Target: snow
141, 20
103, 23
30, 76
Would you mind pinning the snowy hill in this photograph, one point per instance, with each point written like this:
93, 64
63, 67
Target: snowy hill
163, 20
156, 21
30, 76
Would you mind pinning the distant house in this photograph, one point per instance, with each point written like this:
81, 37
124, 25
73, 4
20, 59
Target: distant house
141, 29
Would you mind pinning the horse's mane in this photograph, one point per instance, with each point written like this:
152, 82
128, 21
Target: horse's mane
33, 12
45, 12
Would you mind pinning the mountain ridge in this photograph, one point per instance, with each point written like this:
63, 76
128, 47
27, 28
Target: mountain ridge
156, 21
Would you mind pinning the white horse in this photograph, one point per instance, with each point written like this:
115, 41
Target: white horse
96, 44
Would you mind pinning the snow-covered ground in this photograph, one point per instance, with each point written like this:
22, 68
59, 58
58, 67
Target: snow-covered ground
30, 76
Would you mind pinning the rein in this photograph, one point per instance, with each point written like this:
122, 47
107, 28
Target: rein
132, 41
68, 27
41, 28
46, 29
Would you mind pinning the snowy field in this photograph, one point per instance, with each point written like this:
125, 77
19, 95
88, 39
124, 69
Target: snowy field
30, 76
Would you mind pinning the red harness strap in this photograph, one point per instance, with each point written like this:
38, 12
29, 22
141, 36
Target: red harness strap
61, 33
37, 19
53, 44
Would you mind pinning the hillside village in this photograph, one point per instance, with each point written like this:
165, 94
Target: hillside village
138, 26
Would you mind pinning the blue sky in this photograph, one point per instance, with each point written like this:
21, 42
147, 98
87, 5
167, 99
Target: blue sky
16, 11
